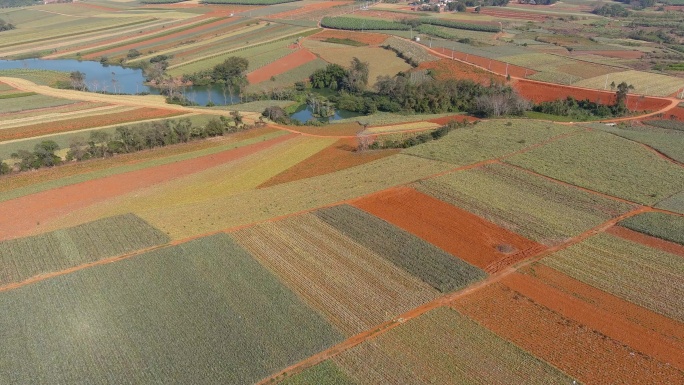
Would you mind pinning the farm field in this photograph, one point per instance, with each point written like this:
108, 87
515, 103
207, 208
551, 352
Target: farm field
600, 168
145, 304
530, 205
478, 242
353, 287
172, 237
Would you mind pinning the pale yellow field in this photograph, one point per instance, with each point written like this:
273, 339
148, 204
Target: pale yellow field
644, 82
380, 61
402, 127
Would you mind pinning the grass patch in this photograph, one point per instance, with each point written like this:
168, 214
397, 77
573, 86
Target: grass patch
659, 225
17, 95
325, 373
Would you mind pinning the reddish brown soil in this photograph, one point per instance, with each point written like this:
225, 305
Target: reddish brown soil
456, 231
86, 122
171, 36
362, 37
676, 113
604, 321
289, 62
578, 350
647, 240
22, 216
498, 67
545, 92
339, 156
451, 69
610, 53
457, 118
8, 115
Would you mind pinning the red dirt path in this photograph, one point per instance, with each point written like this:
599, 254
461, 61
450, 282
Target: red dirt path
578, 350
289, 62
647, 240
450, 228
636, 336
338, 156
22, 216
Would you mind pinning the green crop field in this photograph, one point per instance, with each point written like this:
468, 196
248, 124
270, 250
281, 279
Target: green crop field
637, 273
325, 373
434, 266
42, 77
488, 140
665, 226
674, 203
644, 82
353, 287
361, 24
608, 164
23, 258
445, 347
668, 142
31, 102
179, 314
530, 205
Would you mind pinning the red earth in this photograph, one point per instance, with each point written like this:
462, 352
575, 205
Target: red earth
564, 342
451, 69
456, 231
502, 14
339, 156
289, 62
647, 240
22, 216
498, 67
546, 92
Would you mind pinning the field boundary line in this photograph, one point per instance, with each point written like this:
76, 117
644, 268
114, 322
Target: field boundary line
651, 149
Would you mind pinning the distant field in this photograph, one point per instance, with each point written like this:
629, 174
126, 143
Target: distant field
27, 257
643, 82
660, 225
487, 140
597, 161
354, 288
42, 77
637, 273
177, 314
668, 142
32, 102
443, 347
527, 204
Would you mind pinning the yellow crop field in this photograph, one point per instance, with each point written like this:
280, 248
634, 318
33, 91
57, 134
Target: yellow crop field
380, 61
402, 127
644, 82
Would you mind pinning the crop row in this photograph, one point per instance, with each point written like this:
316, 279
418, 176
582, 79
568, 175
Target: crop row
421, 259
357, 24
184, 310
410, 51
23, 258
460, 25
247, 2
355, 288
32, 102
664, 141
645, 83
539, 209
660, 225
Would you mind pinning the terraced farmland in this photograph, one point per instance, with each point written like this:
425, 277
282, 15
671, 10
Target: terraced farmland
184, 310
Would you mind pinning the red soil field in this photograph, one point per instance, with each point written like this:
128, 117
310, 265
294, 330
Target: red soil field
284, 64
546, 92
362, 37
456, 231
498, 67
22, 216
634, 335
677, 113
615, 54
647, 240
339, 156
580, 351
170, 36
85, 122
451, 69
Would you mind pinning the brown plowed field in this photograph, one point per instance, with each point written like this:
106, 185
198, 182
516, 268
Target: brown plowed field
289, 62
636, 336
22, 216
363, 37
339, 156
647, 240
546, 92
465, 235
170, 36
612, 53
451, 69
578, 350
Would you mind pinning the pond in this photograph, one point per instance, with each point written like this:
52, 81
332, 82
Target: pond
305, 113
117, 79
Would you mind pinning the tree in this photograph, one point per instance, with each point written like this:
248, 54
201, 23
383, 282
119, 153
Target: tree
45, 153
5, 26
5, 168
77, 80
231, 73
276, 114
620, 106
356, 79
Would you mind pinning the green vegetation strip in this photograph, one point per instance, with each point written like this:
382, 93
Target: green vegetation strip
325, 373
58, 250
445, 347
201, 312
17, 95
44, 186
608, 164
425, 261
460, 25
356, 24
660, 225
530, 205
32, 102
645, 276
